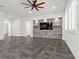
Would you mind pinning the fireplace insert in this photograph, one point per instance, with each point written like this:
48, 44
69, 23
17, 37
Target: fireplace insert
46, 26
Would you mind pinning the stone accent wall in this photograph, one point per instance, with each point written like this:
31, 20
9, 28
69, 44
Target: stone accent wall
55, 33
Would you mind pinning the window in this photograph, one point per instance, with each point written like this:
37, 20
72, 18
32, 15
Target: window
71, 17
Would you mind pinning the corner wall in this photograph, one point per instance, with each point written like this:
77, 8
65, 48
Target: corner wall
1, 25
72, 39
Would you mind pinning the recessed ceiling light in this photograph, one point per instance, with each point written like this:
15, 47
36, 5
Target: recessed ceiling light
53, 7
9, 16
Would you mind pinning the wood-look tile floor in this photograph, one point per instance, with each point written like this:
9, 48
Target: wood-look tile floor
36, 48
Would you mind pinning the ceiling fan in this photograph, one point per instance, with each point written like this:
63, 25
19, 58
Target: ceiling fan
33, 4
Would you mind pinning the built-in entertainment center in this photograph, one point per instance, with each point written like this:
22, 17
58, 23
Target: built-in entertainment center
51, 28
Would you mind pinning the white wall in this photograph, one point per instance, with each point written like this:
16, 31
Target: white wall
24, 27
15, 26
72, 39
53, 15
21, 27
1, 25
16, 30
29, 28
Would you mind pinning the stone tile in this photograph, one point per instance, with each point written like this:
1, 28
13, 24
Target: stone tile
38, 48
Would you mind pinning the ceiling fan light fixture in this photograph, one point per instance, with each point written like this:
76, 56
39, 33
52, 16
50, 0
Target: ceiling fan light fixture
34, 5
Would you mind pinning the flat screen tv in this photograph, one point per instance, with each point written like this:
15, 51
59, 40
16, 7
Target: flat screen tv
46, 26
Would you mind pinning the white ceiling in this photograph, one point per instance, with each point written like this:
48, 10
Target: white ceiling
16, 8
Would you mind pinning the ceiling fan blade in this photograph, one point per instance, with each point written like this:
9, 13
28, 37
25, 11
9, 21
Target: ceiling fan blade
25, 4
31, 8
29, 2
27, 7
36, 8
35, 1
40, 7
41, 3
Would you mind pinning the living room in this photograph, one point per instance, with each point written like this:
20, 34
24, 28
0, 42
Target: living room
35, 32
